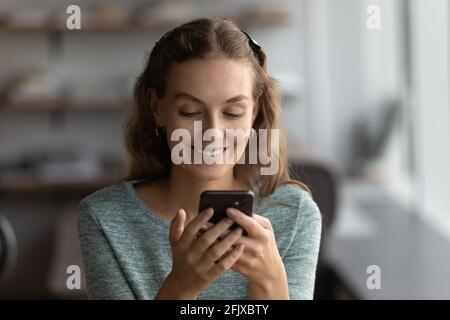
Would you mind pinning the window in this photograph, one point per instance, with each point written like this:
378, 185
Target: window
430, 40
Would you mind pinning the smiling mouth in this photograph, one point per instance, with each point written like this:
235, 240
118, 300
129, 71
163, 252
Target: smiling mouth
211, 153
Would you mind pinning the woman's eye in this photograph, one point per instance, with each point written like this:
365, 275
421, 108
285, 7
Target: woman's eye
233, 115
189, 114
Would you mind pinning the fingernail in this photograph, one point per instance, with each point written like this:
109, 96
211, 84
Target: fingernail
181, 214
208, 212
238, 230
231, 212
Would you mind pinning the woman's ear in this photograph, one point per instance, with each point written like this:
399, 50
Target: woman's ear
155, 107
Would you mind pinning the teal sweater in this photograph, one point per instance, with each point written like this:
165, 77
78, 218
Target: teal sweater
127, 255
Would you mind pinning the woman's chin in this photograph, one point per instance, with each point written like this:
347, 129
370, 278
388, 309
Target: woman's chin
208, 172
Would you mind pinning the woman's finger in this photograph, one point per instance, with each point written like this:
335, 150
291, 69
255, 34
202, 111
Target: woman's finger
226, 253
208, 226
224, 234
253, 228
221, 247
250, 244
228, 261
177, 226
191, 230
208, 237
263, 221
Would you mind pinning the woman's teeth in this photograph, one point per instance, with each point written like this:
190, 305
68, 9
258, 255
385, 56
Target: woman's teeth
210, 152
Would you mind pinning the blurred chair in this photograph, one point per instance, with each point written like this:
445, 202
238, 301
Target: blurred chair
8, 249
29, 229
323, 181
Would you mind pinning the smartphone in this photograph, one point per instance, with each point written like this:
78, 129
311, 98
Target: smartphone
220, 200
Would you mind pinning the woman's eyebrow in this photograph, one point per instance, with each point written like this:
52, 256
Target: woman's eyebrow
237, 98
188, 96
184, 95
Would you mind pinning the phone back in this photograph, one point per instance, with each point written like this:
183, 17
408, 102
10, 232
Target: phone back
220, 200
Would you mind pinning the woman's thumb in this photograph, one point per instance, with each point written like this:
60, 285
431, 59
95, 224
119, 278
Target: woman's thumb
177, 226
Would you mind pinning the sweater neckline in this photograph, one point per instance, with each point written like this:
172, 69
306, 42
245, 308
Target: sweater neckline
142, 205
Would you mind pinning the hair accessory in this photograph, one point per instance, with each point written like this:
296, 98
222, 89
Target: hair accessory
256, 48
253, 44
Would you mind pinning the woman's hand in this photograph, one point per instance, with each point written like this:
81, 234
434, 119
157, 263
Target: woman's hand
195, 264
260, 262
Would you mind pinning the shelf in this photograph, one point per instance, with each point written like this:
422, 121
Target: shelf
32, 188
258, 16
100, 28
60, 106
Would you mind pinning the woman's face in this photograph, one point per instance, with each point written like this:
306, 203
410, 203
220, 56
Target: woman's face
216, 94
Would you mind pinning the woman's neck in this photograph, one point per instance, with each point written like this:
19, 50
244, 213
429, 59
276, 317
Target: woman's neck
184, 190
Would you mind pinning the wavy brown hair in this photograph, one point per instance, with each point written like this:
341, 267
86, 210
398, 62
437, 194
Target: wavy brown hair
212, 38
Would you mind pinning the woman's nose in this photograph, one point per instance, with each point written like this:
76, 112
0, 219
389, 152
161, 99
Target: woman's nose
214, 125
212, 121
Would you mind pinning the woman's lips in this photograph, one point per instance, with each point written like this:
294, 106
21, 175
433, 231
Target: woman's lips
211, 152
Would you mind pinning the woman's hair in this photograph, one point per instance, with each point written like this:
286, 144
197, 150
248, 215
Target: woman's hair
149, 155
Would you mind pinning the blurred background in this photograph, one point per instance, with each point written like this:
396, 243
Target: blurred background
365, 88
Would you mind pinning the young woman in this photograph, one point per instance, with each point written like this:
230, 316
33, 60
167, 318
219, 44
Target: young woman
144, 238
